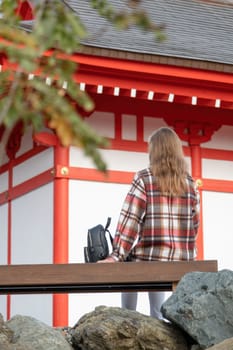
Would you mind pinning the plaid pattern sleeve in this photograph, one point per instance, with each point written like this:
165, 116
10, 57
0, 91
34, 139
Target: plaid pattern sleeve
196, 209
130, 221
154, 226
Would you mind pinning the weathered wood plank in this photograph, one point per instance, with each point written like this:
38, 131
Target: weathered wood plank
110, 277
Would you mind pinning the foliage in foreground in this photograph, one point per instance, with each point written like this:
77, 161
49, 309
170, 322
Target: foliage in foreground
36, 85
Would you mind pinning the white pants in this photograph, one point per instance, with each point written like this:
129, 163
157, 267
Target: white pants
156, 299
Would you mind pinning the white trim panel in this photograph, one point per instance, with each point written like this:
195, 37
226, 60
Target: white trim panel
218, 228
217, 169
4, 185
33, 166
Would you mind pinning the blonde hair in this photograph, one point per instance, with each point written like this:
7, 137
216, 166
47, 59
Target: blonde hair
167, 161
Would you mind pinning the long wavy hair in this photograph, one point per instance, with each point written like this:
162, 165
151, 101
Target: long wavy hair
167, 161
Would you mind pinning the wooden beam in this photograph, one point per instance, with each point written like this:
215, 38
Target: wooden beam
89, 278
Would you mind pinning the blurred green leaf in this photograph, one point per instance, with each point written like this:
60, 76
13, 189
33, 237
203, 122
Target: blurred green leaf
24, 93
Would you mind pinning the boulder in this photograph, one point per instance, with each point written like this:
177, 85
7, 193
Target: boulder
225, 345
202, 306
31, 334
6, 334
114, 328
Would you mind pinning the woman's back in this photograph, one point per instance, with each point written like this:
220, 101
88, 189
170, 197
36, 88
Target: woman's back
170, 222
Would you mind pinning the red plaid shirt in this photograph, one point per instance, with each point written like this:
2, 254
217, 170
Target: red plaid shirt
153, 226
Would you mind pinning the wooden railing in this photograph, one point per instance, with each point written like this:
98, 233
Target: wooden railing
93, 278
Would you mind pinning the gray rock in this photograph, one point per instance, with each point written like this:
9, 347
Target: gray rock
32, 334
202, 306
15, 347
6, 334
113, 328
196, 347
225, 345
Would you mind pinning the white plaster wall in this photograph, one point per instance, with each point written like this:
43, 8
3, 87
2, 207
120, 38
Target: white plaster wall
115, 160
218, 228
38, 306
217, 206
32, 243
3, 303
3, 251
4, 182
3, 233
217, 169
151, 124
32, 227
129, 127
99, 119
221, 139
104, 124
33, 166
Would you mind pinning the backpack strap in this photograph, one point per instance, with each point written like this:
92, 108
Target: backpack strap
106, 229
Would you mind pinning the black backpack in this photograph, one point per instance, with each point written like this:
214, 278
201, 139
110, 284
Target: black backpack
97, 243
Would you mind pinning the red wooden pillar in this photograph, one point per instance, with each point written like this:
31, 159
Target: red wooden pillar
61, 225
197, 134
196, 162
61, 220
194, 134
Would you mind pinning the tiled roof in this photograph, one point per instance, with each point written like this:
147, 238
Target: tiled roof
196, 30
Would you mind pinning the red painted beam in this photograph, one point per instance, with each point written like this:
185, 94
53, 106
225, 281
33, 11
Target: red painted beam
25, 10
155, 77
170, 111
143, 76
217, 185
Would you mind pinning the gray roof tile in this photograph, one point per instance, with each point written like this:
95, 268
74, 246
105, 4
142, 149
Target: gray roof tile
196, 30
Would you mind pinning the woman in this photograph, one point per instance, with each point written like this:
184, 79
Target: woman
160, 215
